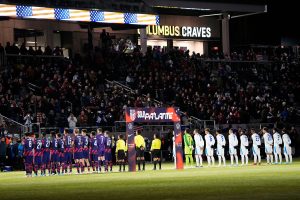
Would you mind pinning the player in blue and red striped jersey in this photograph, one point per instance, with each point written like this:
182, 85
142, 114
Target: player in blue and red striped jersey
38, 153
94, 151
54, 153
46, 154
61, 152
85, 151
68, 151
78, 150
28, 154
101, 147
108, 147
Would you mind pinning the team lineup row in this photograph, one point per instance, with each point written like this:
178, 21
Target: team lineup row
57, 153
272, 143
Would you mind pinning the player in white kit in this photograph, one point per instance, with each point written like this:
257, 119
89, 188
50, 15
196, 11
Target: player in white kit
199, 146
277, 146
209, 150
256, 143
221, 142
244, 147
268, 140
287, 149
233, 144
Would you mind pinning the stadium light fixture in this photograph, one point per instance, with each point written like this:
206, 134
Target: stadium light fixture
211, 15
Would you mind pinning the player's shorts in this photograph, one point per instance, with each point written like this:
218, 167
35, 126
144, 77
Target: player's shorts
277, 149
156, 153
85, 154
28, 159
108, 156
256, 150
232, 151
68, 157
61, 157
37, 160
54, 157
46, 157
198, 151
209, 151
121, 155
140, 152
220, 151
268, 149
101, 152
243, 151
78, 155
287, 149
94, 157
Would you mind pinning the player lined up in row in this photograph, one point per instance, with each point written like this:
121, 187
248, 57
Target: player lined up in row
57, 153
273, 144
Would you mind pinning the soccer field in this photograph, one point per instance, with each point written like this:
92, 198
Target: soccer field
251, 182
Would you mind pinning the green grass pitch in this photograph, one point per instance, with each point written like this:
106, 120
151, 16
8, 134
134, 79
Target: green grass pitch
247, 182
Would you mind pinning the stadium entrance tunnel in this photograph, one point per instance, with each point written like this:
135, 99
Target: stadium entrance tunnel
152, 115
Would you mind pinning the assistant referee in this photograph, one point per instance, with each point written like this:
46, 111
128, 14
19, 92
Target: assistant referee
120, 152
155, 151
140, 149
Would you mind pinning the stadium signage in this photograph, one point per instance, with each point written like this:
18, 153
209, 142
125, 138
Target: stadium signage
178, 31
151, 115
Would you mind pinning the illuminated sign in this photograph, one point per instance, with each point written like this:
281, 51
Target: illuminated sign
65, 14
177, 31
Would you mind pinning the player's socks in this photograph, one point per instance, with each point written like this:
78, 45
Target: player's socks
242, 158
154, 165
268, 159
200, 159
143, 164
123, 166
231, 159
159, 163
224, 161
120, 166
58, 168
271, 158
82, 167
208, 160
139, 165
276, 158
106, 165
213, 161
220, 161
280, 158
197, 161
291, 158
77, 166
246, 159
236, 160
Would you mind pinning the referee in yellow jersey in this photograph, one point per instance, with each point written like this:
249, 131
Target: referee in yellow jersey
120, 152
140, 145
155, 150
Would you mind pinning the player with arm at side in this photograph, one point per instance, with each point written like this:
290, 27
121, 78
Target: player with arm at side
244, 147
46, 154
233, 145
94, 152
268, 140
101, 147
256, 143
140, 149
108, 155
78, 150
54, 153
287, 149
68, 151
188, 148
38, 153
209, 150
120, 151
28, 154
85, 150
221, 142
199, 146
277, 146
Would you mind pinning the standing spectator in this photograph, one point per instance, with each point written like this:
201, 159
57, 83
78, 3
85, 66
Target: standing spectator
294, 136
28, 122
72, 121
83, 119
3, 156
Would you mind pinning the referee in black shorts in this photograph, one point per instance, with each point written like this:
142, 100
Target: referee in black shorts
140, 145
155, 151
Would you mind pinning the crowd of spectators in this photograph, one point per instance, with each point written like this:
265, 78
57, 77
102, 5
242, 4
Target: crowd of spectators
69, 93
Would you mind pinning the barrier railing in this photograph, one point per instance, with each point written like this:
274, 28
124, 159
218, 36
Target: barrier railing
10, 126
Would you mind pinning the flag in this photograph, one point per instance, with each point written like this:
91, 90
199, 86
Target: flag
61, 14
79, 15
24, 11
7, 10
130, 18
42, 13
97, 15
114, 17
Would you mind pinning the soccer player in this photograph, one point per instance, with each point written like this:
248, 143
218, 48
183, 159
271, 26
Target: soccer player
221, 142
277, 146
209, 144
68, 151
78, 150
101, 147
61, 152
94, 152
188, 148
233, 144
85, 150
120, 151
107, 155
28, 154
199, 146
38, 153
244, 147
54, 153
140, 148
268, 140
287, 149
155, 151
46, 154
256, 146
